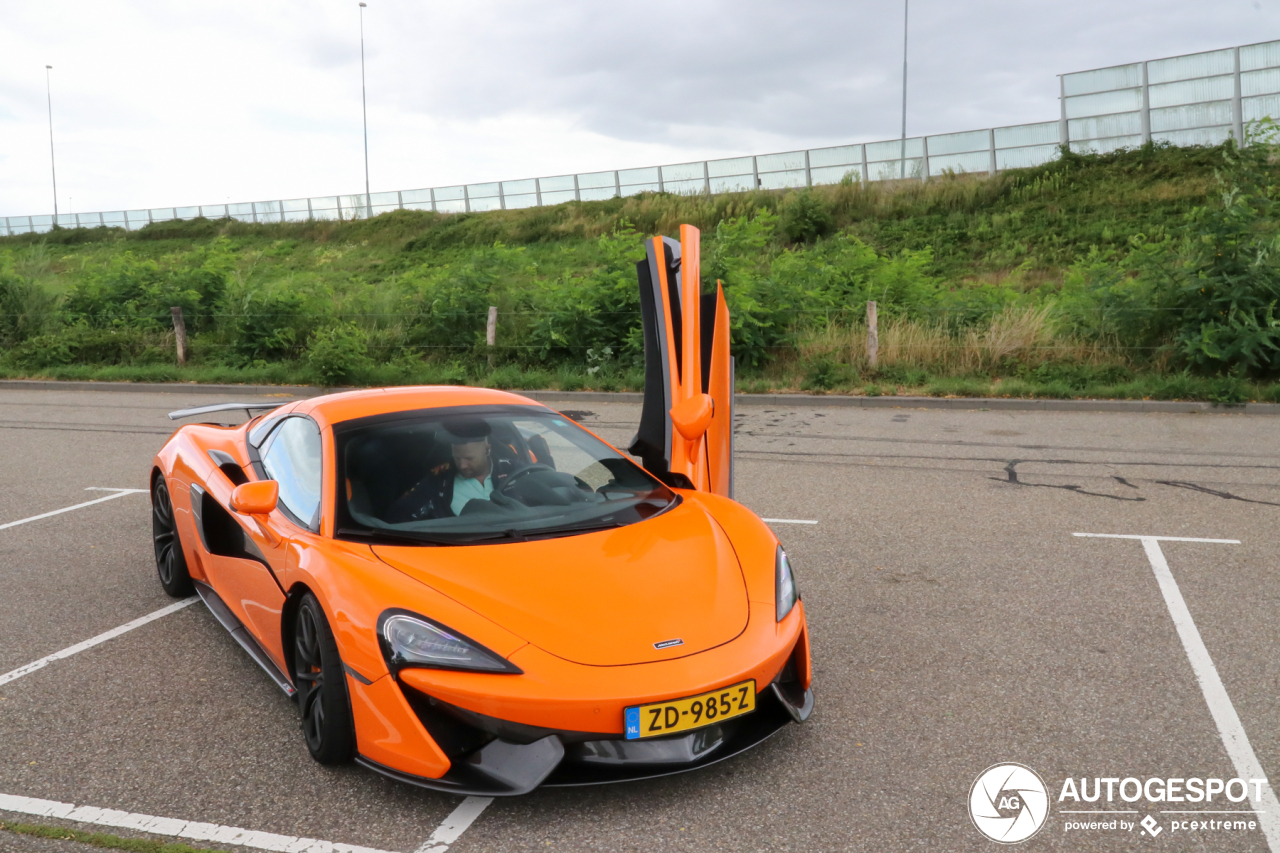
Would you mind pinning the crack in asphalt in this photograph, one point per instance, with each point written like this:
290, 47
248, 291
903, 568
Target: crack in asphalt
1011, 473
1195, 487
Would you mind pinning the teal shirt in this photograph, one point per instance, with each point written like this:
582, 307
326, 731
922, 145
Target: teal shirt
469, 488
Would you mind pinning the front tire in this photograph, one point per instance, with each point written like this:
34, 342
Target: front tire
327, 725
171, 562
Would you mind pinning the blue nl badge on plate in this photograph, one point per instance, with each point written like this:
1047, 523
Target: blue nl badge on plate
633, 723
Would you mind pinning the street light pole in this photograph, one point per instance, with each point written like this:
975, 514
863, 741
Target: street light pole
903, 154
48, 91
364, 109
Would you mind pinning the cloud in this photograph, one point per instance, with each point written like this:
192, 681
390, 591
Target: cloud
157, 103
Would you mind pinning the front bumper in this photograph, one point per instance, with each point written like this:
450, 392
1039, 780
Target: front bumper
560, 723
493, 766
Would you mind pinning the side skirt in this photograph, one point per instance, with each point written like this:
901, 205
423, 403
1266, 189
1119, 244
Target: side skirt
238, 632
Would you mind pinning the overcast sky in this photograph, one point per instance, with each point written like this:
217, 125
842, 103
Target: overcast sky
158, 103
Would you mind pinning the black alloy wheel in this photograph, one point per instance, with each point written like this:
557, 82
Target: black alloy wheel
322, 686
171, 563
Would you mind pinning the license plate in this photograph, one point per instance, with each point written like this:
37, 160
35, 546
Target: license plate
691, 712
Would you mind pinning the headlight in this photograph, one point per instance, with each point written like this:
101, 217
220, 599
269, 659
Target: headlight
786, 585
408, 639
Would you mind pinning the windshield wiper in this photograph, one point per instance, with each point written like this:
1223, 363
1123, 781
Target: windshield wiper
387, 537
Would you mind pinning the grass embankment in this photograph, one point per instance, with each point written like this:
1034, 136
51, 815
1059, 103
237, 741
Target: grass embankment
1125, 275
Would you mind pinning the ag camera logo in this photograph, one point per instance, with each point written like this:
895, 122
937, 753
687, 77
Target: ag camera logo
1008, 803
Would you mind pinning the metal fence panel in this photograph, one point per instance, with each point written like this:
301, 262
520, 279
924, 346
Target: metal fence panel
732, 167
959, 143
972, 162
1191, 116
510, 189
1255, 56
681, 172
1192, 65
892, 150
1104, 103
354, 206
1026, 157
891, 170
1192, 91
1260, 108
1265, 82
516, 202
479, 191
736, 183
1197, 136
639, 177
267, 211
842, 155
1123, 124
826, 175
1105, 146
690, 187
1103, 79
479, 205
780, 162
782, 180
451, 199
598, 180
1041, 133
561, 183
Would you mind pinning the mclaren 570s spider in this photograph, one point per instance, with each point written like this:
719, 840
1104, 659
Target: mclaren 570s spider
465, 590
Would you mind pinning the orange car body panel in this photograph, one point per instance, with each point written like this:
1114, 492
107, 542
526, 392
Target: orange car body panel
579, 614
555, 693
676, 577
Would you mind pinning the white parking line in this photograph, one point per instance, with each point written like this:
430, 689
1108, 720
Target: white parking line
174, 827
119, 493
1230, 729
27, 669
455, 824
787, 521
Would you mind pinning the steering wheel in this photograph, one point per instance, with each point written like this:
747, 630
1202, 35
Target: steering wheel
520, 473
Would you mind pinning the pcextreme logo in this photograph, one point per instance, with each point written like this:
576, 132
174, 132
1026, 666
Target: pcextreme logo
1008, 803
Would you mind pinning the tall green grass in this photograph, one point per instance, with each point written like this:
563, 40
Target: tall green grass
1085, 264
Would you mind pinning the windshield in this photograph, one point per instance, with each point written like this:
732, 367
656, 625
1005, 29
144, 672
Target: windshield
469, 475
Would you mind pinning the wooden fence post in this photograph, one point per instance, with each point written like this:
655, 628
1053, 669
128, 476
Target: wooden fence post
491, 331
873, 335
179, 334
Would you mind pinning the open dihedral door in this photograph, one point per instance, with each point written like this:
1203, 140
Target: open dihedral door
686, 422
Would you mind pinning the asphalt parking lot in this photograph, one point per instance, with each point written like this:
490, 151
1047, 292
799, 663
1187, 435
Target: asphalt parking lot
956, 623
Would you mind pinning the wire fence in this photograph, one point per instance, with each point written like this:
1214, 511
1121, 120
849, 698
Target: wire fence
1196, 99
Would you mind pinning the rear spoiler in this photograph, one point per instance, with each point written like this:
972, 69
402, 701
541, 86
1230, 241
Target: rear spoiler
249, 409
685, 437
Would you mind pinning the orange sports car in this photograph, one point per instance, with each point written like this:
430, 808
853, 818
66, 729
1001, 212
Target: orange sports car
465, 590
